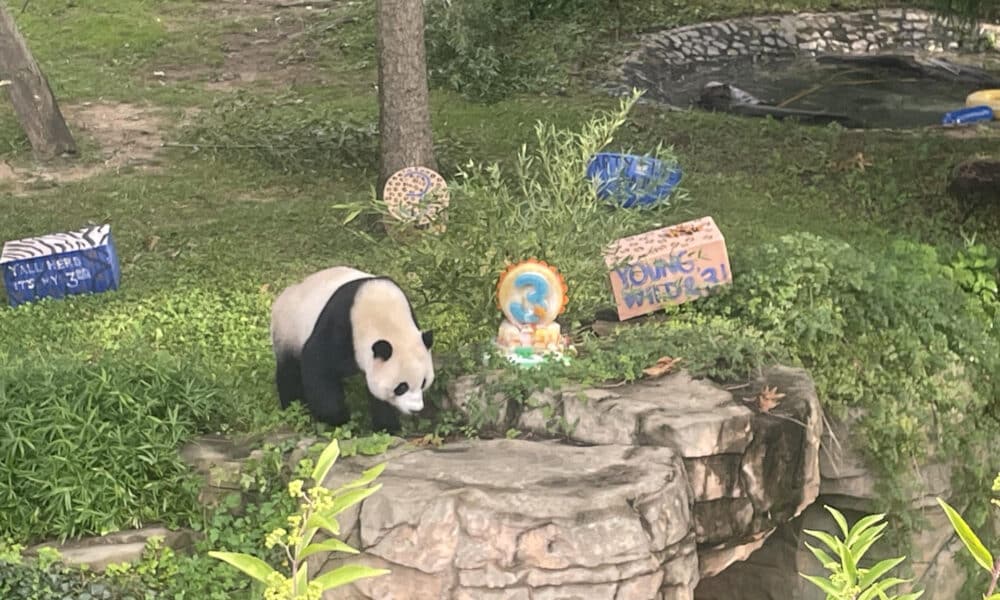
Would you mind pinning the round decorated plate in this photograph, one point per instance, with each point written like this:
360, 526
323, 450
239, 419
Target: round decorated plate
417, 195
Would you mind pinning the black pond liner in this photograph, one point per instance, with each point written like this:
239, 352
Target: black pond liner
880, 91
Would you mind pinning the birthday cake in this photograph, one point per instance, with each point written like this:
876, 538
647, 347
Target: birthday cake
531, 294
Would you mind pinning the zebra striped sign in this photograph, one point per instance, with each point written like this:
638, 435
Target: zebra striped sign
60, 264
56, 243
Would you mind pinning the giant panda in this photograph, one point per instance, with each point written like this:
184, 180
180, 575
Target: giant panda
337, 322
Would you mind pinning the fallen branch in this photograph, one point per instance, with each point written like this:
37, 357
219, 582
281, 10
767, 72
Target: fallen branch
799, 95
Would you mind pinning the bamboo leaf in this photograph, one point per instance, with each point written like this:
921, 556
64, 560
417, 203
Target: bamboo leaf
353, 215
968, 537
251, 565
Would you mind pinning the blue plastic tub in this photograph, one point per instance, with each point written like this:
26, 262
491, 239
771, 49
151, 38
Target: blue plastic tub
632, 180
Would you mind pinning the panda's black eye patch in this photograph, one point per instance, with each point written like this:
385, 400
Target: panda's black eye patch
401, 389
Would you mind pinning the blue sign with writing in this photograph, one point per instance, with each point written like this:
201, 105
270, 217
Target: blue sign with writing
60, 264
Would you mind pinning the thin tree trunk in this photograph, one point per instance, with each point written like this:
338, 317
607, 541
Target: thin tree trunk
405, 138
29, 92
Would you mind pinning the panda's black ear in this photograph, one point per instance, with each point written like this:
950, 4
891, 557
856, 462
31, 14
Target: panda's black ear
428, 337
382, 349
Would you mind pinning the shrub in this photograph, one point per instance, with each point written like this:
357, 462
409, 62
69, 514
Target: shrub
481, 49
888, 335
99, 393
47, 577
92, 448
545, 209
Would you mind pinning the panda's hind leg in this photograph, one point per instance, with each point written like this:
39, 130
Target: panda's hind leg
384, 416
288, 377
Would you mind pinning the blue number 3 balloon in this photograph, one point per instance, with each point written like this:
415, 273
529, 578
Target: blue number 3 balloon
534, 304
531, 292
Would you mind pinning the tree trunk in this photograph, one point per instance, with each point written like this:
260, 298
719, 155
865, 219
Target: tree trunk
404, 106
29, 92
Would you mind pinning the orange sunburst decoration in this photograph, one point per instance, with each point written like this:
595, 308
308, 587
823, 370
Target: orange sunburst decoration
532, 293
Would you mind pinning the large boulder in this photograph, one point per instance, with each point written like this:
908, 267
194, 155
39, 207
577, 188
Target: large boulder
635, 492
850, 486
749, 470
521, 519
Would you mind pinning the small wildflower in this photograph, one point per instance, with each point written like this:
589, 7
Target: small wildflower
314, 592
279, 587
274, 538
295, 488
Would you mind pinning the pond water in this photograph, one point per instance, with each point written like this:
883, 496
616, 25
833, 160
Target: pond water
869, 95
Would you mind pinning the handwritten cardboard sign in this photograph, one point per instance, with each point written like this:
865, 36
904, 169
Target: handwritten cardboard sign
667, 266
60, 264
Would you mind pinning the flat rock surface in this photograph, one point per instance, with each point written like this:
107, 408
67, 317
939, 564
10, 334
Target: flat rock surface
524, 519
694, 416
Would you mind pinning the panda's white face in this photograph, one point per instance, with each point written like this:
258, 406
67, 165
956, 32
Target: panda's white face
399, 376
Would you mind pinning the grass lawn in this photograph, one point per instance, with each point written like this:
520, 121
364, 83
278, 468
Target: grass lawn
266, 119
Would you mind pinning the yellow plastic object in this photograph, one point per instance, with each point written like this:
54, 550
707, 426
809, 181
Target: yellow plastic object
989, 98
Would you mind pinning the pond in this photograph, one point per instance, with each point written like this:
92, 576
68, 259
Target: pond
885, 91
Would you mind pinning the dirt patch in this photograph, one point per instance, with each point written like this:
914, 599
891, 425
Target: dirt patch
274, 43
127, 136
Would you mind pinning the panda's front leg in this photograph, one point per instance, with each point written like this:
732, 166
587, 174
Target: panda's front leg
323, 390
384, 416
